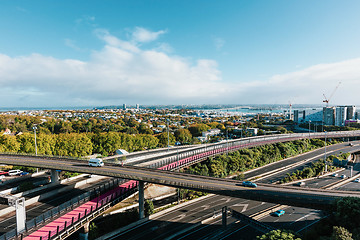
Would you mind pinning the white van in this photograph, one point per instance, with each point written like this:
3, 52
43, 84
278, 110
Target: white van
14, 172
96, 162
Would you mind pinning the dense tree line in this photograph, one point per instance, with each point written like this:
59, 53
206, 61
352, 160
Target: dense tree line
314, 170
245, 159
76, 144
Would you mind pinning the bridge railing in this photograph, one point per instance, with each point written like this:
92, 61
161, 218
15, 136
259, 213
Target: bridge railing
186, 158
74, 203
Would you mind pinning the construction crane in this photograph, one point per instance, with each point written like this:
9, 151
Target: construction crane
332, 94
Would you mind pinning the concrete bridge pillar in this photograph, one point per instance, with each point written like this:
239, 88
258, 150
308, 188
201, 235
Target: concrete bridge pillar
55, 177
224, 216
141, 200
84, 232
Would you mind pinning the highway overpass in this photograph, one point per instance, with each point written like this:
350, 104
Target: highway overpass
310, 198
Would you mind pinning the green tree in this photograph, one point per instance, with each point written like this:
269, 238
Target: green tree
341, 233
73, 144
279, 235
27, 142
163, 139
93, 231
148, 208
348, 212
145, 129
197, 129
9, 143
183, 135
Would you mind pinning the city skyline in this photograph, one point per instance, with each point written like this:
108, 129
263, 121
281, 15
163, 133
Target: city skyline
55, 54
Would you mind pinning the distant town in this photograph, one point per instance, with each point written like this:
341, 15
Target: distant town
203, 123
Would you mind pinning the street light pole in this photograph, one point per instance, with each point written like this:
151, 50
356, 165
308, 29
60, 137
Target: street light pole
168, 130
325, 154
309, 127
34, 127
227, 143
177, 154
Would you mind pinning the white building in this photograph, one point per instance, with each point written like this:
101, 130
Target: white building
211, 132
340, 116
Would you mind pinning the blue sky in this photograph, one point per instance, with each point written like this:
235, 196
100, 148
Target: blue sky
83, 53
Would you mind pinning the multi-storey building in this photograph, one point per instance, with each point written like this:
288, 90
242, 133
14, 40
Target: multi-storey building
329, 115
340, 115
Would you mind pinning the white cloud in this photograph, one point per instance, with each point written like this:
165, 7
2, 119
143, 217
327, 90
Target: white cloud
142, 35
122, 72
307, 85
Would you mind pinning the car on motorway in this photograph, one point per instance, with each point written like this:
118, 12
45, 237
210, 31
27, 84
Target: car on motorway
278, 213
343, 176
300, 184
334, 175
249, 184
357, 180
24, 173
14, 172
96, 162
3, 173
351, 145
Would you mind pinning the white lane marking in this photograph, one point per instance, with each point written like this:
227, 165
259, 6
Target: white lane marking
244, 205
178, 217
306, 216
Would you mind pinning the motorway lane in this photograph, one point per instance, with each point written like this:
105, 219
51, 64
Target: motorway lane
294, 218
351, 186
308, 157
8, 222
5, 185
183, 217
316, 154
329, 179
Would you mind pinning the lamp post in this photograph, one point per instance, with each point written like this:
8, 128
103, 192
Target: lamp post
34, 127
325, 154
177, 154
227, 143
168, 130
309, 127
